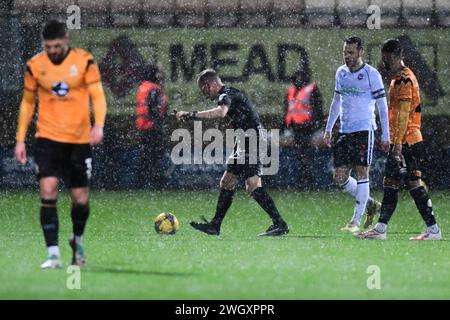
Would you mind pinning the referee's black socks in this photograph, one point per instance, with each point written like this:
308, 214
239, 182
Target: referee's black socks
265, 201
80, 214
49, 221
223, 203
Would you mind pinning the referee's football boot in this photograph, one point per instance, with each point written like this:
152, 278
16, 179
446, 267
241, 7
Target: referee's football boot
372, 208
276, 230
78, 257
206, 227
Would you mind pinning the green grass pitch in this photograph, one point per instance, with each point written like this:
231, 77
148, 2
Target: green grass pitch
128, 260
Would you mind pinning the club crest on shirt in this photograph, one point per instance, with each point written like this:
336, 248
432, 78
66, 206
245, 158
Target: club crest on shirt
73, 70
360, 76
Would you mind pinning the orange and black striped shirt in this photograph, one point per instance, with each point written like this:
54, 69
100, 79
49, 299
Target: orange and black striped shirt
404, 88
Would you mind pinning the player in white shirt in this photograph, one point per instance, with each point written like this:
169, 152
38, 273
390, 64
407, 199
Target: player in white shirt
358, 88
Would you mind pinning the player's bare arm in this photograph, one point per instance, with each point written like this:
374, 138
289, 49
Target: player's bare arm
218, 112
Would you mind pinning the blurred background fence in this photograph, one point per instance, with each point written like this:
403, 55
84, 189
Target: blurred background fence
236, 13
256, 45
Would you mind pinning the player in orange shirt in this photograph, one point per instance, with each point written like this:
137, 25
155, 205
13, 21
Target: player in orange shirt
64, 80
403, 164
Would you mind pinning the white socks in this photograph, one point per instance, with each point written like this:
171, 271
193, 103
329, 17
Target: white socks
349, 186
53, 251
360, 191
362, 196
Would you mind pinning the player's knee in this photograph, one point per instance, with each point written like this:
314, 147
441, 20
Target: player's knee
340, 179
361, 173
253, 183
80, 198
49, 191
411, 184
362, 176
227, 183
341, 175
389, 182
249, 188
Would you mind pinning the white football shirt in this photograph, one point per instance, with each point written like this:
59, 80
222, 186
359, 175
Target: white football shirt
358, 92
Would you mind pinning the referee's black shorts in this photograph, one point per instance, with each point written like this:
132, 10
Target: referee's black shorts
245, 160
245, 170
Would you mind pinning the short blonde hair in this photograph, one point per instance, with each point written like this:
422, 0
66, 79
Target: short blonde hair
206, 76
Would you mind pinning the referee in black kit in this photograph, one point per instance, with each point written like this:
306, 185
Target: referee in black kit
240, 110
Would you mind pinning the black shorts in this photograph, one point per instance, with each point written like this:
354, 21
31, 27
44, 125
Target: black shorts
245, 170
244, 165
410, 168
353, 149
68, 161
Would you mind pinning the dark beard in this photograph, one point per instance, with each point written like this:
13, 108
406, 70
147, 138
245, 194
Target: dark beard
57, 59
60, 58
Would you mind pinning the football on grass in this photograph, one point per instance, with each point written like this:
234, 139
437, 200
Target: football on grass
166, 223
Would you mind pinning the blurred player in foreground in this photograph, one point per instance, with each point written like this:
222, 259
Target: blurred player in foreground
63, 79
